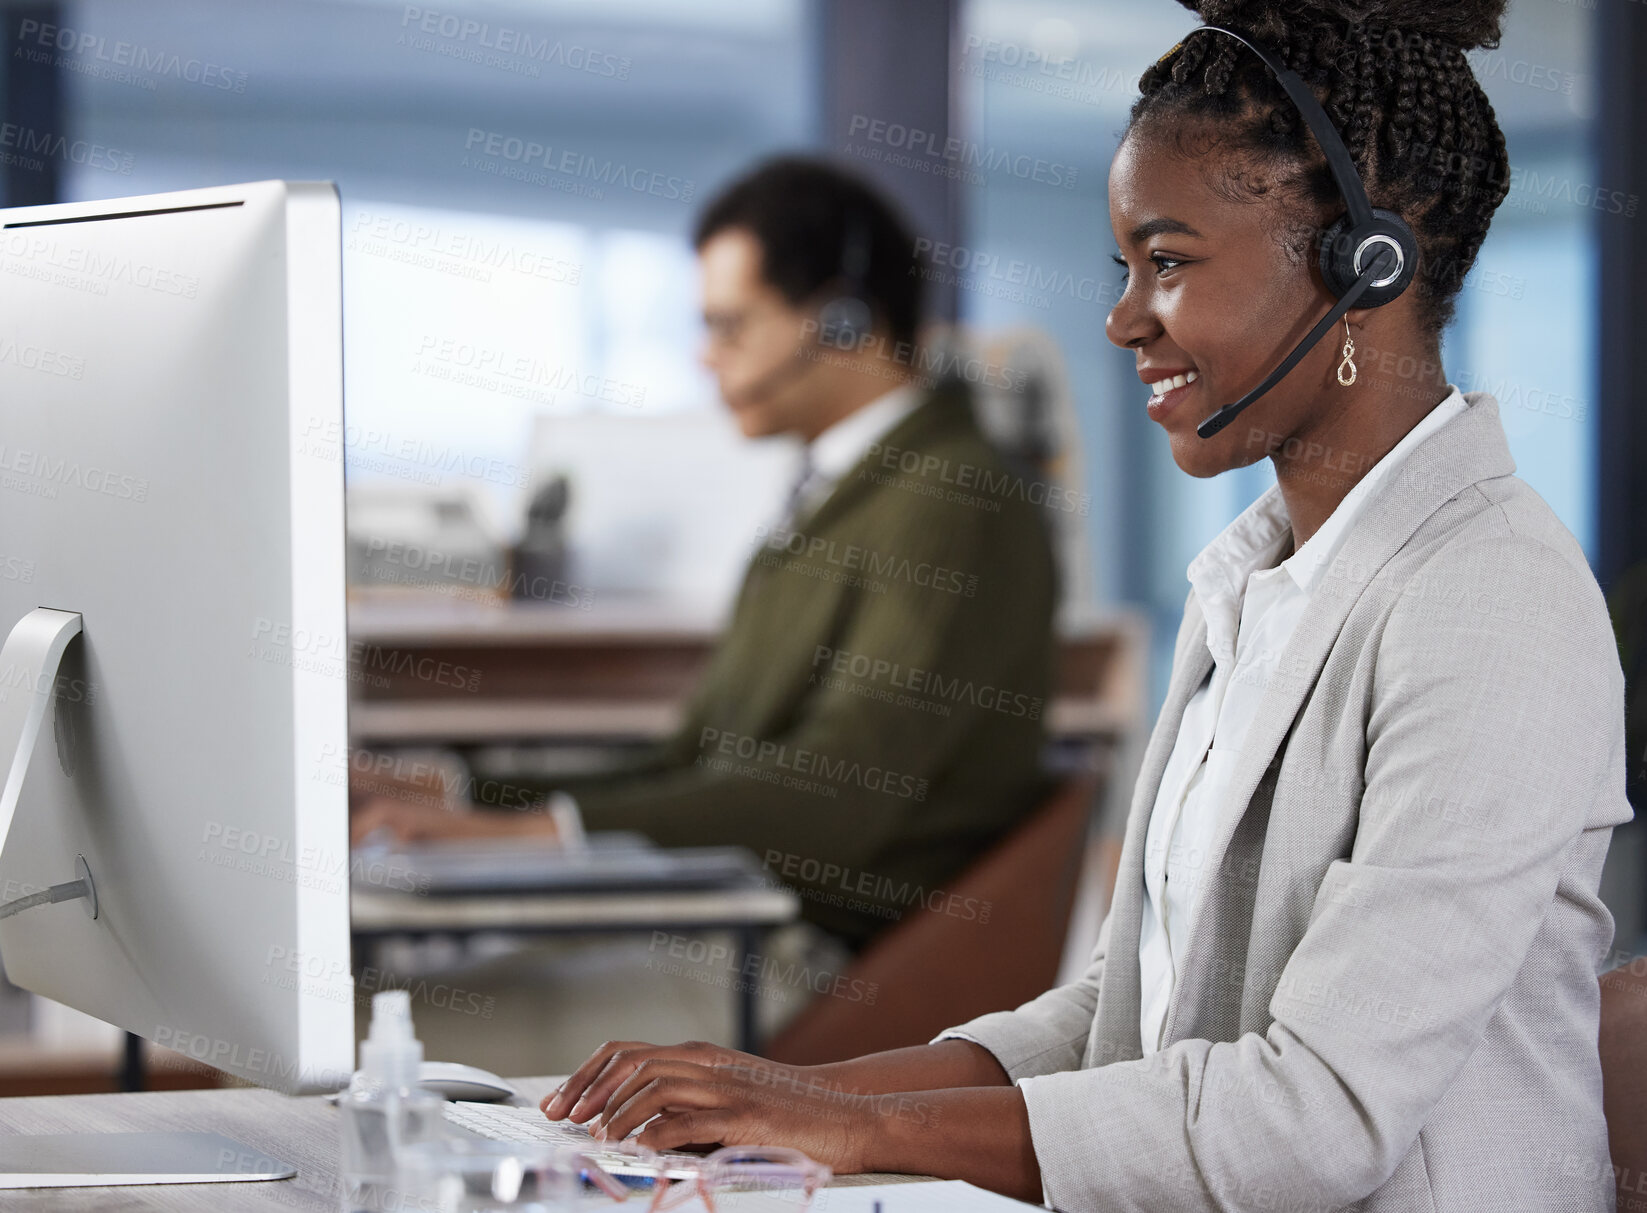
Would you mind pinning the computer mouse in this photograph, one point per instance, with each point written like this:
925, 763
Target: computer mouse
454, 1080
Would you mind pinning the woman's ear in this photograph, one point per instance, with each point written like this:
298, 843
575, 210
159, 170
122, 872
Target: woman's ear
1358, 342
1394, 325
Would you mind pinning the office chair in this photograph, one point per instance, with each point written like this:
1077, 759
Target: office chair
932, 970
1624, 1077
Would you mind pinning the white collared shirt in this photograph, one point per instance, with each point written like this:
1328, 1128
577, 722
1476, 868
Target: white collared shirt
836, 451
1252, 606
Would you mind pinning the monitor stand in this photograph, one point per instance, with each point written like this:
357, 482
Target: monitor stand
30, 659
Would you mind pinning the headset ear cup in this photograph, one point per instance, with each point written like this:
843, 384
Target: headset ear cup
1338, 248
844, 321
1336, 255
847, 320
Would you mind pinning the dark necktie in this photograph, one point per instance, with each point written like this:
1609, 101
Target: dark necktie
797, 491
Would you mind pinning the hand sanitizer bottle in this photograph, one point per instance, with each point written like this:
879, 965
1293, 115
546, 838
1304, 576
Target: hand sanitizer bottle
384, 1109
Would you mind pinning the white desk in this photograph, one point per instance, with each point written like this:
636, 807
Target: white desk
303, 1132
383, 913
745, 912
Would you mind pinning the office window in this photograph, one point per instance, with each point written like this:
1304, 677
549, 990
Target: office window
518, 184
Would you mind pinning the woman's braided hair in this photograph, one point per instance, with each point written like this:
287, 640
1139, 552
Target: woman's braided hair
1393, 79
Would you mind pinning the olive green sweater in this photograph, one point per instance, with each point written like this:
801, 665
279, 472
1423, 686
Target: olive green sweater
872, 718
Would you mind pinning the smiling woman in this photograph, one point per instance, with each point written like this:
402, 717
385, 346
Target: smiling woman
1243, 194
1351, 949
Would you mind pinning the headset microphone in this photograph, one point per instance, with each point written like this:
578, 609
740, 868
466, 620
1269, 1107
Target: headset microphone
1228, 413
1367, 257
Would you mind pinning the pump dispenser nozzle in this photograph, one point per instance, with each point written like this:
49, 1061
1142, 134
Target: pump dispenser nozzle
391, 1054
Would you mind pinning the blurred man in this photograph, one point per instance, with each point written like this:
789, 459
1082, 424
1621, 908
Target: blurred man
872, 718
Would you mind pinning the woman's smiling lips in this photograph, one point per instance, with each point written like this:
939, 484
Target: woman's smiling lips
1171, 386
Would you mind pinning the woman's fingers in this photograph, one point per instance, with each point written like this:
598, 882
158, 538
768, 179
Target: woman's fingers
678, 1130
671, 1104
589, 1090
559, 1102
653, 1068
591, 1085
675, 1094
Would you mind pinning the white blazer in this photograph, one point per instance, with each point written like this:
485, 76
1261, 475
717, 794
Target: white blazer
1389, 997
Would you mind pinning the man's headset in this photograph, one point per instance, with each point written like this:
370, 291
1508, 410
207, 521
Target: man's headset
847, 319
1367, 257
844, 321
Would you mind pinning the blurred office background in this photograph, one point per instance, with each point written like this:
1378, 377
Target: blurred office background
527, 191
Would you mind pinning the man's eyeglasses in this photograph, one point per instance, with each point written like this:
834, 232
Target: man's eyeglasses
729, 328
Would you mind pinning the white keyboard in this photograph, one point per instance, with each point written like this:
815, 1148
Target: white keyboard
529, 1126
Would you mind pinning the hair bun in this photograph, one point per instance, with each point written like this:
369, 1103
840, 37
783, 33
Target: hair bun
1465, 23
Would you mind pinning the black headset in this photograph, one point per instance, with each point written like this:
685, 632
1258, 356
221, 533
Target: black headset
843, 321
846, 319
1367, 257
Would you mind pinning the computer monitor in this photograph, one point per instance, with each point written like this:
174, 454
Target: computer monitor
173, 682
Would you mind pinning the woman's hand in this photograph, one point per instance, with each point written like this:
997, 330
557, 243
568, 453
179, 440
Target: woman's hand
587, 1092
947, 1110
950, 1063
701, 1095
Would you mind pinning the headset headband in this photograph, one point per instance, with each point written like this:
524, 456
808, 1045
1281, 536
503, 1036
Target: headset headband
1339, 163
1380, 236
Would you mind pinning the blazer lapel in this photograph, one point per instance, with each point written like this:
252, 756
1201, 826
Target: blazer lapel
1468, 449
947, 405
1115, 1034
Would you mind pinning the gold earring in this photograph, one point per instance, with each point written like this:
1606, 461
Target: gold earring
1349, 358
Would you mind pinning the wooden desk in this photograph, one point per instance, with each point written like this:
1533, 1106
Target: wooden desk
303, 1132
620, 671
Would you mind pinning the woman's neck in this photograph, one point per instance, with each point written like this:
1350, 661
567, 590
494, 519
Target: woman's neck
1316, 468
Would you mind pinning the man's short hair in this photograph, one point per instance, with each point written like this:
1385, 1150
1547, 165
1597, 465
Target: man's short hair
803, 212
